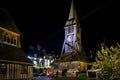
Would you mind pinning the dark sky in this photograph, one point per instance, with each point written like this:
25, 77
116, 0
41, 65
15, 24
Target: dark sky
43, 21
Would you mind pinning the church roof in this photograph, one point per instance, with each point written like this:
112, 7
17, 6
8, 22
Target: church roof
7, 22
11, 53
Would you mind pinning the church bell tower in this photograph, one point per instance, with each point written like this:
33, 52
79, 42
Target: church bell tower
72, 29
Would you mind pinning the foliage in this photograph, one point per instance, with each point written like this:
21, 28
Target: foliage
108, 60
92, 79
82, 76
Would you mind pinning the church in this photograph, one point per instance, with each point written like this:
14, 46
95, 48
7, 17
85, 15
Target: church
72, 42
14, 65
73, 57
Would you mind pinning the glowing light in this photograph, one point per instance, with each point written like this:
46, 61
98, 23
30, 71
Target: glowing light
29, 57
35, 63
41, 62
69, 38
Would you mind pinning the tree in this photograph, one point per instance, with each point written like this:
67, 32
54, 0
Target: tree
108, 61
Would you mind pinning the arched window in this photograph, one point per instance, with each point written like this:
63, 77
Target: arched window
4, 37
12, 39
8, 38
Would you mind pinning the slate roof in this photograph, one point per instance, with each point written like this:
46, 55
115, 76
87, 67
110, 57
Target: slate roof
11, 53
7, 22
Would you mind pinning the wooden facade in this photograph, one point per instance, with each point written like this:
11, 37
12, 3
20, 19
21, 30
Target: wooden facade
14, 71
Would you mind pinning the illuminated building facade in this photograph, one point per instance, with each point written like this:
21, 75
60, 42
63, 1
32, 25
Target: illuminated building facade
40, 58
13, 63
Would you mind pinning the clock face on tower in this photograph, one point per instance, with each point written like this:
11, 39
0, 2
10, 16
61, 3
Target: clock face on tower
70, 38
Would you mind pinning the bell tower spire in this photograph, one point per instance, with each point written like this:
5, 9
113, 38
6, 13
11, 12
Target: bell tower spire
72, 28
72, 13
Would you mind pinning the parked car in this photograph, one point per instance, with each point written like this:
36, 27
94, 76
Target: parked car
35, 76
41, 74
38, 75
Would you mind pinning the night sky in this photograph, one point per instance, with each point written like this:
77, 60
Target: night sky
42, 22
